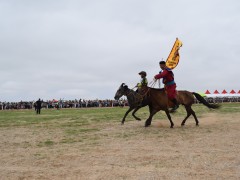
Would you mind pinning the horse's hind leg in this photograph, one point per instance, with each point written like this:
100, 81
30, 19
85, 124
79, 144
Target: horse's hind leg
195, 117
169, 118
189, 113
133, 113
129, 110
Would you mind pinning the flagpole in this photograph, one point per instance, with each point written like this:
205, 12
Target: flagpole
159, 82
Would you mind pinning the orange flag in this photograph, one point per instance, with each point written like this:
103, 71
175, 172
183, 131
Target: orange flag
173, 58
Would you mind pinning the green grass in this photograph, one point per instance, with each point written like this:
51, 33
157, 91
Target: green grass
84, 125
83, 117
63, 117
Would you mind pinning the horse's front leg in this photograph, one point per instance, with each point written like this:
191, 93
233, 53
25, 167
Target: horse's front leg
129, 110
135, 110
148, 121
152, 113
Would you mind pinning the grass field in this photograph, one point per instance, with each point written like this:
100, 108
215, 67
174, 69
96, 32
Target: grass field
91, 144
82, 117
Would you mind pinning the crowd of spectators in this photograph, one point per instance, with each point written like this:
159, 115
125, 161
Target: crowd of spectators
223, 99
226, 99
81, 103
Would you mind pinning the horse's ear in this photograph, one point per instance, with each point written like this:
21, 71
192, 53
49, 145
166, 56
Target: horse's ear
123, 84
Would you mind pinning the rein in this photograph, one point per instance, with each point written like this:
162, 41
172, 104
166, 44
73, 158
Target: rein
152, 84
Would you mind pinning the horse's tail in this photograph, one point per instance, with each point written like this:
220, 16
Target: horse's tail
202, 100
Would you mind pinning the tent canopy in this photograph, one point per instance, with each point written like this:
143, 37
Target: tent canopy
207, 92
224, 92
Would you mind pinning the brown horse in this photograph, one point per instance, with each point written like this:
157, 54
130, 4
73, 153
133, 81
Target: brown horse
157, 100
135, 100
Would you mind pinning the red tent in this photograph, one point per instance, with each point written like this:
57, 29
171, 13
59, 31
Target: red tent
239, 92
232, 92
54, 100
216, 92
207, 92
224, 92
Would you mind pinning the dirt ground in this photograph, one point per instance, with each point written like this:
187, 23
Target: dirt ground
210, 151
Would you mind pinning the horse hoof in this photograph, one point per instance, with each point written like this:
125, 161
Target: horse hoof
182, 125
122, 123
146, 125
197, 125
138, 119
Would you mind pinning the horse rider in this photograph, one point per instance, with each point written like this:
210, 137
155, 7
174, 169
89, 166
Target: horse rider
169, 84
143, 83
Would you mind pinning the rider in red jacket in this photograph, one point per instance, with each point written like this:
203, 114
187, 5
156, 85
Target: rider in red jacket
168, 81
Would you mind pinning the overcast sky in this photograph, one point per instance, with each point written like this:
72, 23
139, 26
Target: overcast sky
85, 49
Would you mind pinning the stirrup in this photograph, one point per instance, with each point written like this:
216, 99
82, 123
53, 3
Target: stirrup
174, 108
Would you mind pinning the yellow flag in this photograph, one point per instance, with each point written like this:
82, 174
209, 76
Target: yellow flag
173, 58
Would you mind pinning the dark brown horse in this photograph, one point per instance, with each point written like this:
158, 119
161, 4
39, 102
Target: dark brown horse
157, 100
135, 100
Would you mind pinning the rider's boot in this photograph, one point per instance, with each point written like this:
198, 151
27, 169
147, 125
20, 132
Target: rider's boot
176, 105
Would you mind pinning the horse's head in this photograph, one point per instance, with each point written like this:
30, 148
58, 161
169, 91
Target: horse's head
121, 91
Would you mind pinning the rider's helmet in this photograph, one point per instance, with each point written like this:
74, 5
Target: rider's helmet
143, 73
